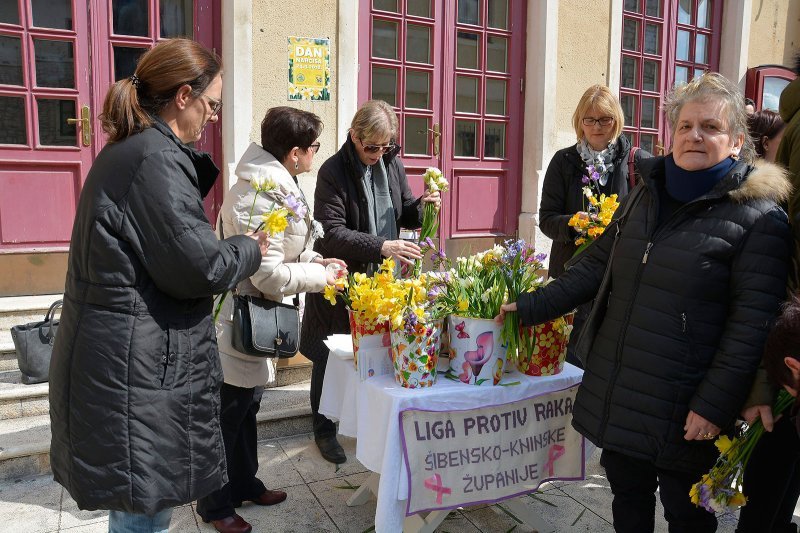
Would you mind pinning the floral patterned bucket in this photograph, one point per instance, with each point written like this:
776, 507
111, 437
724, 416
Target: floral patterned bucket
476, 354
415, 355
544, 350
367, 334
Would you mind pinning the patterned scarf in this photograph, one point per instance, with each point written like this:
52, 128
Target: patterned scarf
602, 161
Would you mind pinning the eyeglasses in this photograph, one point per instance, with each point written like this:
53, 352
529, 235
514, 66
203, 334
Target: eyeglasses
315, 147
375, 148
603, 121
216, 105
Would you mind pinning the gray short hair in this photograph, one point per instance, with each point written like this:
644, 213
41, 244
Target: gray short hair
375, 118
713, 87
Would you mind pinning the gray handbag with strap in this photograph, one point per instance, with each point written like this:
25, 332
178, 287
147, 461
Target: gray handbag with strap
33, 343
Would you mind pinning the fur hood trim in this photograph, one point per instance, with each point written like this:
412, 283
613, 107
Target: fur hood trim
767, 181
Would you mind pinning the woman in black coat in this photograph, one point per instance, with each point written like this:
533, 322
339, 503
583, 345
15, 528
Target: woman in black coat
598, 121
362, 199
135, 375
687, 280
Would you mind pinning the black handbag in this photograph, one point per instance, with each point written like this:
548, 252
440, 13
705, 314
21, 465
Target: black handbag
34, 345
265, 328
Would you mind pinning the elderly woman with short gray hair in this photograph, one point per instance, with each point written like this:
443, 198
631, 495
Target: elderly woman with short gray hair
362, 200
688, 278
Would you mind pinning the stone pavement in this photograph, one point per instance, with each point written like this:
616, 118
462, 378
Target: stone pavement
317, 494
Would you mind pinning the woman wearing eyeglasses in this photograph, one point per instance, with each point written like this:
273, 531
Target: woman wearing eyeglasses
362, 200
598, 122
288, 144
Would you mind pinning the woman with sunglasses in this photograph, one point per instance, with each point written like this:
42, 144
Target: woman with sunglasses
288, 145
598, 122
362, 200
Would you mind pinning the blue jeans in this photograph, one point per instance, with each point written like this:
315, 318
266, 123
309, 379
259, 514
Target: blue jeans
122, 522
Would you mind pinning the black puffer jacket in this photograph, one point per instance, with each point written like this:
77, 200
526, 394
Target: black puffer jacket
339, 205
562, 197
689, 309
135, 375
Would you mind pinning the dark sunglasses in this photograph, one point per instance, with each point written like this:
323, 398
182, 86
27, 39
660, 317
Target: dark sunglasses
375, 148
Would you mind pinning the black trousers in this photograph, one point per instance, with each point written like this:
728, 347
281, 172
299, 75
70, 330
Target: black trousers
239, 433
323, 426
772, 482
634, 482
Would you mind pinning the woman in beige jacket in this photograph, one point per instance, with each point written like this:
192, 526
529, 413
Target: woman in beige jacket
288, 144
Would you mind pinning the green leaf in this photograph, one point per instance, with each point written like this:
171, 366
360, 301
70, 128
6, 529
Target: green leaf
481, 381
347, 485
539, 499
369, 529
511, 384
509, 513
579, 516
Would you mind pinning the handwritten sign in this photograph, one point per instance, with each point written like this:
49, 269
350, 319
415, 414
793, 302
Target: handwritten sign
309, 68
460, 458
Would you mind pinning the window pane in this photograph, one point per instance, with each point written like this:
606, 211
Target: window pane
384, 39
418, 43
494, 139
469, 12
700, 48
384, 84
468, 49
630, 69
466, 130
12, 109
125, 60
10, 61
466, 94
385, 5
647, 142
682, 51
131, 17
628, 102
495, 97
496, 53
9, 13
419, 8
52, 14
630, 34
699, 72
54, 63
418, 89
681, 75
415, 137
176, 18
654, 8
498, 14
649, 112
650, 81
685, 11
53, 127
651, 38
704, 13
773, 87
633, 5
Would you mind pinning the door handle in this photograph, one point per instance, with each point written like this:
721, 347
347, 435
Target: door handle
86, 125
437, 134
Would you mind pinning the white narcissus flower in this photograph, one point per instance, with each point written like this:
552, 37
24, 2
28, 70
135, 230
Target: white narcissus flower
587, 192
261, 183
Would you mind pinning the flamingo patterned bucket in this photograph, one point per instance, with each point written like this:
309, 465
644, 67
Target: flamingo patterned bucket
367, 334
476, 353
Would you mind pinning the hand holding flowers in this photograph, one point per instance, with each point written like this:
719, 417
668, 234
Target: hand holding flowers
598, 210
435, 184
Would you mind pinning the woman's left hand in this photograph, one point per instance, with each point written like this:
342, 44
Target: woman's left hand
433, 198
698, 428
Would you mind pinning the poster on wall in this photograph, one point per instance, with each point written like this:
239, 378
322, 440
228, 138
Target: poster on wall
309, 68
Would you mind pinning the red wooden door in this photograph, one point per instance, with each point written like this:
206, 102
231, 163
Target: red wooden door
57, 60
453, 71
45, 147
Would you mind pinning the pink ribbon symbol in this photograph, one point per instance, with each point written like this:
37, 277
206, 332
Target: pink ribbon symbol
556, 451
435, 484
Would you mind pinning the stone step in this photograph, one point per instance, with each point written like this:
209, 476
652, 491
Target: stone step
23, 309
25, 442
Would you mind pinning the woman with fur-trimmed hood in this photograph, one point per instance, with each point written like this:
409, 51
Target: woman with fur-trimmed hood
697, 270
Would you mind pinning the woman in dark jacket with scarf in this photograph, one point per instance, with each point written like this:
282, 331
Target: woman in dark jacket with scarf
362, 199
687, 280
598, 121
135, 375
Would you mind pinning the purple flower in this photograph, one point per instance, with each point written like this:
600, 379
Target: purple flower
438, 257
540, 257
585, 180
427, 244
296, 207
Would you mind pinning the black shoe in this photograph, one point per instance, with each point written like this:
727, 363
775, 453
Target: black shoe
330, 449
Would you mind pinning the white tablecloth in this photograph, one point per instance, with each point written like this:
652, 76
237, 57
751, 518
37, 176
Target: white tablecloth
369, 411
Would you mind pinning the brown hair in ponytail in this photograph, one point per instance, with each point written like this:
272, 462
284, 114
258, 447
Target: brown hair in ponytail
161, 71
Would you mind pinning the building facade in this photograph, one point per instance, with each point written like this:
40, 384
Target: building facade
484, 90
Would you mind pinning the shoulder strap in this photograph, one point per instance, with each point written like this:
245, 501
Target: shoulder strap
632, 173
